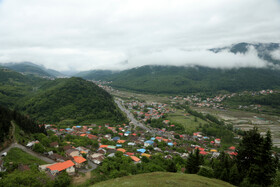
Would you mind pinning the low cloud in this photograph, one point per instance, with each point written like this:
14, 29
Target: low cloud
223, 59
120, 34
275, 54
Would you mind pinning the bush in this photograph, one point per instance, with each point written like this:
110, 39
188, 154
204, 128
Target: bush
206, 172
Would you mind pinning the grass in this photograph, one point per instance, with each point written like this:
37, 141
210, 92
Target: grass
17, 155
163, 179
188, 122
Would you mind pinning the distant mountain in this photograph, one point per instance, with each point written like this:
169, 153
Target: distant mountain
185, 80
264, 50
95, 74
72, 100
34, 69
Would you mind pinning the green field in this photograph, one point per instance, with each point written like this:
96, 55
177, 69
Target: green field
189, 122
164, 179
18, 156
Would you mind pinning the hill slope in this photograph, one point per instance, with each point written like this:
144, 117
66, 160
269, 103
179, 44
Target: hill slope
71, 99
26, 124
33, 69
174, 80
163, 179
14, 86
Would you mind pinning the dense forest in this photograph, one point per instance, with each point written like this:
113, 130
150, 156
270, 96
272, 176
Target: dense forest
25, 123
72, 100
185, 80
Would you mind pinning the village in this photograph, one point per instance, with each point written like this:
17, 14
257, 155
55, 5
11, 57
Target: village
83, 148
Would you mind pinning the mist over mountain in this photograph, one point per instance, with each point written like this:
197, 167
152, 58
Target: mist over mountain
32, 69
265, 51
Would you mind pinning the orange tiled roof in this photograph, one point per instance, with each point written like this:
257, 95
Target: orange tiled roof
61, 166
83, 135
134, 158
79, 159
103, 146
122, 150
146, 155
121, 141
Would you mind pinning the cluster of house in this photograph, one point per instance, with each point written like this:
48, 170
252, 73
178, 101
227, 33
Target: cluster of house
132, 143
145, 111
215, 102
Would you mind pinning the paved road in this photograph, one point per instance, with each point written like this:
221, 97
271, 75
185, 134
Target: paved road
50, 161
90, 163
132, 119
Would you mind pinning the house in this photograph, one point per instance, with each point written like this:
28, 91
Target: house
102, 151
79, 161
66, 147
68, 166
141, 150
146, 155
121, 141
127, 133
54, 144
217, 141
121, 150
135, 159
57, 157
148, 143
131, 143
97, 158
44, 167
72, 152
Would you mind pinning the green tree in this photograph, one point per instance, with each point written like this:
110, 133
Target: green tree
254, 160
193, 162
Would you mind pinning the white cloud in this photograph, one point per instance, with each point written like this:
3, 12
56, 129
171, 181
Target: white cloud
90, 34
276, 54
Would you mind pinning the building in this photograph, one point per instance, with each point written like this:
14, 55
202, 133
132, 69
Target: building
79, 161
68, 166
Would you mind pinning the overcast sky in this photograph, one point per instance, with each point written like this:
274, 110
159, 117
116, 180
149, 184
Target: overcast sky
120, 34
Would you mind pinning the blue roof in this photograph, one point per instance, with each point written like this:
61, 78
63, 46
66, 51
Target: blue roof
149, 141
78, 126
153, 138
116, 138
170, 144
127, 132
118, 145
141, 150
68, 129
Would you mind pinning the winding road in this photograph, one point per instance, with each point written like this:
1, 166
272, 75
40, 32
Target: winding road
13, 145
132, 119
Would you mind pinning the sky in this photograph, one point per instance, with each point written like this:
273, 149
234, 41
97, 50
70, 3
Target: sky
120, 34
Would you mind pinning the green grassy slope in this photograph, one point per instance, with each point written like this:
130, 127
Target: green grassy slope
18, 156
163, 179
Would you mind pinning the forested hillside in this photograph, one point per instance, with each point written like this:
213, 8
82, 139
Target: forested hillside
29, 68
57, 100
72, 99
26, 124
14, 86
183, 80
